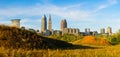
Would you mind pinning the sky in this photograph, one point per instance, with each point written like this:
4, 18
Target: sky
93, 14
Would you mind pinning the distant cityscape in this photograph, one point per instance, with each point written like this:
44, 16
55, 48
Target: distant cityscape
46, 28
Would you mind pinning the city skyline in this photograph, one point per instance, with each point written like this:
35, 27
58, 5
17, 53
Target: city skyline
94, 14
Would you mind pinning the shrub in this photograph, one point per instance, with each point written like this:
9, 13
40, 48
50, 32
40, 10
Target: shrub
67, 37
115, 38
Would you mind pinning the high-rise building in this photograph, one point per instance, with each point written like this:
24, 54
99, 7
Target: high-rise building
87, 30
109, 30
102, 31
63, 24
43, 24
16, 23
74, 31
50, 23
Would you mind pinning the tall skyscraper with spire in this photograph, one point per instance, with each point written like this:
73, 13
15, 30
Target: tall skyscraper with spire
49, 23
63, 24
43, 24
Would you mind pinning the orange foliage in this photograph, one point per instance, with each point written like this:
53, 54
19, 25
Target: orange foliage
94, 40
103, 41
89, 40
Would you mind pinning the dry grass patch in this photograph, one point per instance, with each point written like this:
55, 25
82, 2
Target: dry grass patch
93, 41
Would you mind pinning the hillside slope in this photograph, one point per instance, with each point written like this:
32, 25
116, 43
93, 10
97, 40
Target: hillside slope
92, 40
11, 37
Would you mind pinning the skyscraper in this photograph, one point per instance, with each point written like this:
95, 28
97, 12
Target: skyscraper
87, 30
109, 30
102, 31
43, 24
63, 24
50, 23
16, 23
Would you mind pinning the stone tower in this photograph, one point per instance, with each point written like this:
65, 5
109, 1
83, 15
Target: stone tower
63, 24
43, 24
109, 30
50, 23
16, 23
102, 31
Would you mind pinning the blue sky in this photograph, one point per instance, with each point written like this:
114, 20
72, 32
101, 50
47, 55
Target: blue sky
93, 14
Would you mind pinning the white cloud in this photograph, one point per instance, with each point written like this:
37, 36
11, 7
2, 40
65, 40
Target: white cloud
72, 11
112, 1
30, 23
64, 12
103, 6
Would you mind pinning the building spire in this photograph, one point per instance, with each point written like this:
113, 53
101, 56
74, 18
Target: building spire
43, 23
44, 16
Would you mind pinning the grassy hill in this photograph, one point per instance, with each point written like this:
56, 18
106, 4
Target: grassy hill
92, 40
16, 42
11, 37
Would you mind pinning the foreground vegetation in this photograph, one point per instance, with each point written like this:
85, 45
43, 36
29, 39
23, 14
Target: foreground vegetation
11, 37
67, 37
109, 51
18, 42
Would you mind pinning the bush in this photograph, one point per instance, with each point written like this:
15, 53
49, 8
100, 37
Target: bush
67, 37
115, 39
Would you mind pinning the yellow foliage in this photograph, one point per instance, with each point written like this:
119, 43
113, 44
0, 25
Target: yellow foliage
103, 41
89, 39
95, 40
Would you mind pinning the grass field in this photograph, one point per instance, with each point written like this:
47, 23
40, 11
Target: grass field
105, 51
